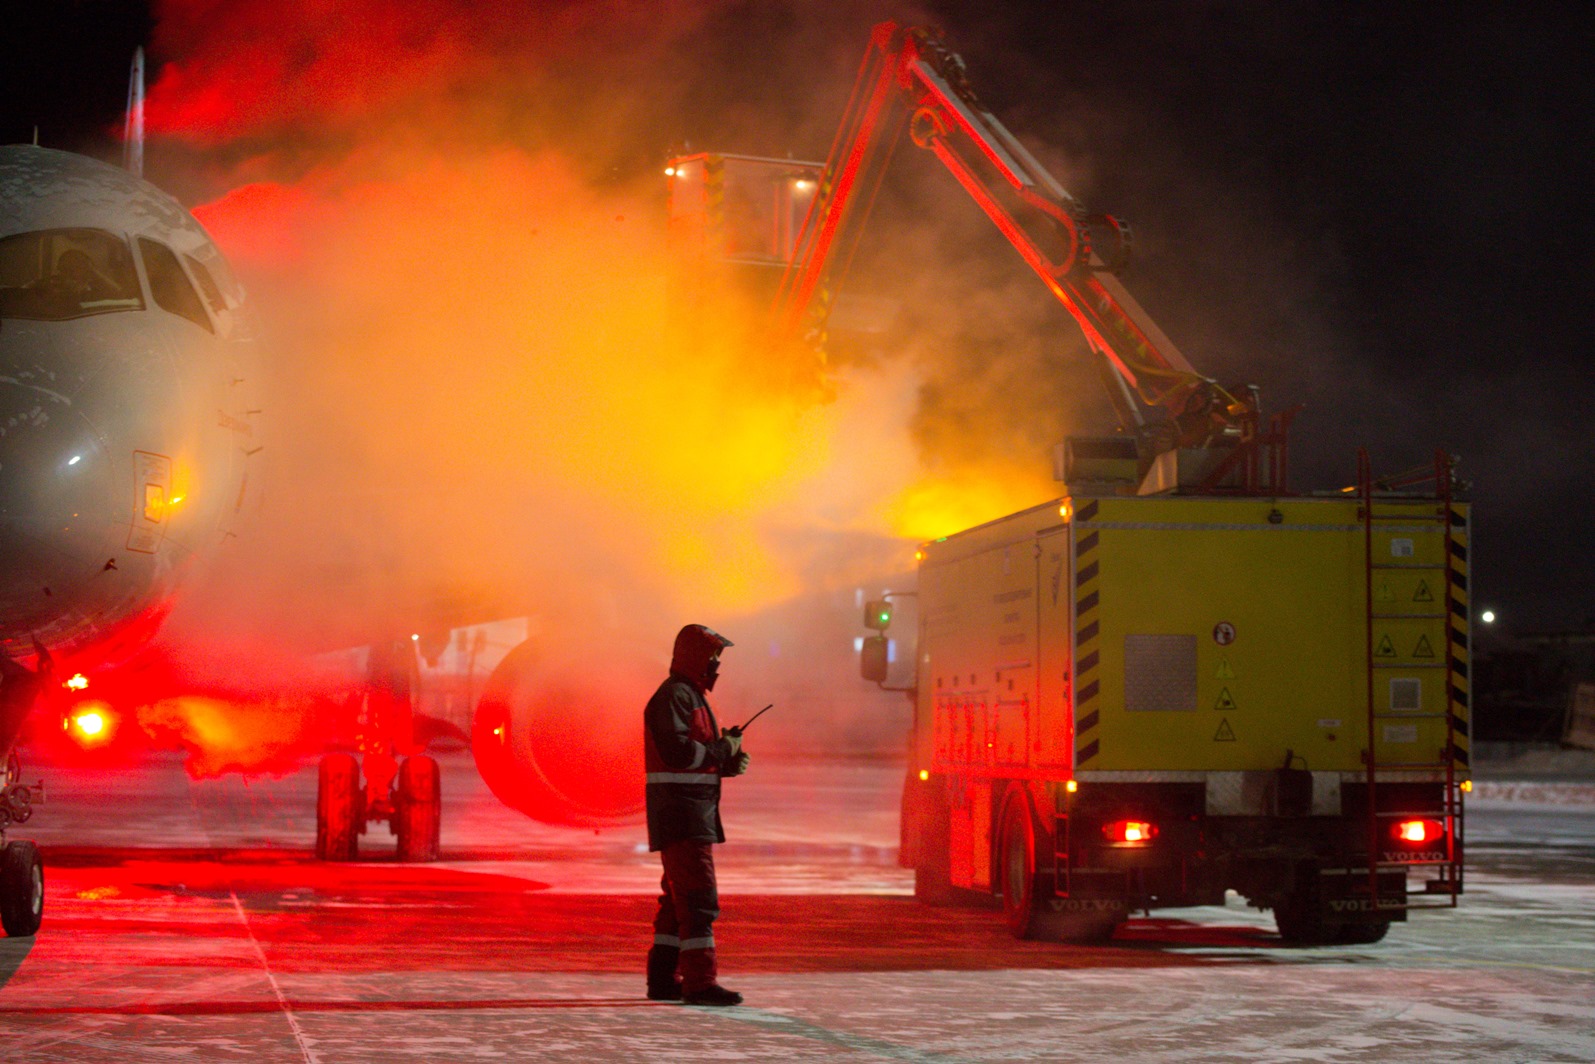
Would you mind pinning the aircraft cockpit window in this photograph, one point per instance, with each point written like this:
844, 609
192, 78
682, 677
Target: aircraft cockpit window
169, 285
56, 274
207, 284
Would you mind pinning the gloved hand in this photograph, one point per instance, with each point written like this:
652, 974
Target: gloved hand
733, 746
737, 765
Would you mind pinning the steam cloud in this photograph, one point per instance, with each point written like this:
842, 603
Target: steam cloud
483, 399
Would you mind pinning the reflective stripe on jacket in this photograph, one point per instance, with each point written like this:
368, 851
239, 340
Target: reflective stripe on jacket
683, 754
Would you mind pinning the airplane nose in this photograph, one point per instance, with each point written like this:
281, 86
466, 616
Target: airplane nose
56, 506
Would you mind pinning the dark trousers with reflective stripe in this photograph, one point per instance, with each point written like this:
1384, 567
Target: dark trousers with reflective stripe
689, 901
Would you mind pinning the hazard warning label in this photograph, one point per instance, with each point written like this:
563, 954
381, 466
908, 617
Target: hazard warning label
1423, 649
1226, 701
1224, 671
1385, 649
1422, 592
1225, 733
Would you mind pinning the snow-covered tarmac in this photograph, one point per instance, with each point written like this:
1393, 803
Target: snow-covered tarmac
186, 921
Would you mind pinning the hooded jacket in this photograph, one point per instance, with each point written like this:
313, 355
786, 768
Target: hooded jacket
682, 748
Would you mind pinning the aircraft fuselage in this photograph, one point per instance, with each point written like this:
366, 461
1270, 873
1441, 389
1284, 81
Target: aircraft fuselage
128, 412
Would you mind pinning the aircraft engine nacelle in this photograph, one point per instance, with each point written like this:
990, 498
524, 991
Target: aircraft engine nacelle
564, 746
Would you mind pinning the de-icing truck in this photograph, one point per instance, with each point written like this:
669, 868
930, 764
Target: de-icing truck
1179, 678
1137, 701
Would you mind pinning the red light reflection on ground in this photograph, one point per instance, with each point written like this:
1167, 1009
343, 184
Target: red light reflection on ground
173, 908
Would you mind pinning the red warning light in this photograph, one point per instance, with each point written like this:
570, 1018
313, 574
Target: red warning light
1130, 832
1418, 831
90, 725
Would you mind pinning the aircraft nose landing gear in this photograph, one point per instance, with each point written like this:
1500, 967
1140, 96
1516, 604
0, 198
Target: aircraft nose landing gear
21, 869
411, 806
405, 795
21, 889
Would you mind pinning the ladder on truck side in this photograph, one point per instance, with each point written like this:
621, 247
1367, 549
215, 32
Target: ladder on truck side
1443, 623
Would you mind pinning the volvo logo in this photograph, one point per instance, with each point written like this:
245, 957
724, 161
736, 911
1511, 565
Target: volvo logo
1086, 905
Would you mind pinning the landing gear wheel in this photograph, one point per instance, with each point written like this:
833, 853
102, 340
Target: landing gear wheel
417, 809
338, 812
1017, 869
21, 889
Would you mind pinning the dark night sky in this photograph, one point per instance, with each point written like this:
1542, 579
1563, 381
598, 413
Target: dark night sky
1369, 208
1417, 176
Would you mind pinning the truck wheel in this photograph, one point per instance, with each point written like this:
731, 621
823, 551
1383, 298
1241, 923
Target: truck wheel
932, 873
21, 889
1300, 919
1082, 928
1301, 922
417, 809
933, 886
338, 812
1362, 934
1017, 868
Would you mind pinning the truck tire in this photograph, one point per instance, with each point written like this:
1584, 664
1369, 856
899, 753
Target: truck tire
1082, 928
21, 889
1362, 934
1016, 867
933, 883
1300, 919
1304, 919
417, 809
1028, 905
1301, 922
338, 808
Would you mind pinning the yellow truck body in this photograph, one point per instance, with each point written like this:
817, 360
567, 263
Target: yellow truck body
1221, 667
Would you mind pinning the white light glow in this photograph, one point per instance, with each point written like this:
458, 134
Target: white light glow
1488, 616
74, 460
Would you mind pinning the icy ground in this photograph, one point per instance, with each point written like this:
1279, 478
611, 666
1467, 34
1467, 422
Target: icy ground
186, 922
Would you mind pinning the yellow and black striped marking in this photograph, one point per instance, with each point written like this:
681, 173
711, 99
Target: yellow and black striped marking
1087, 650
714, 199
1457, 659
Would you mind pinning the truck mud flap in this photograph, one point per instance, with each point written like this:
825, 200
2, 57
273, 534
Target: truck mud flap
1084, 906
1346, 897
1078, 920
1337, 907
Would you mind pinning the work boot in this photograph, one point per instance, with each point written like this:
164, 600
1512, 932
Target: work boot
663, 983
713, 994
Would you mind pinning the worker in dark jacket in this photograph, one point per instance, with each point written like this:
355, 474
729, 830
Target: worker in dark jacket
686, 755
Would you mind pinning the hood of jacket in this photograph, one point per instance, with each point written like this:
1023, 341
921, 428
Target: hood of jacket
697, 646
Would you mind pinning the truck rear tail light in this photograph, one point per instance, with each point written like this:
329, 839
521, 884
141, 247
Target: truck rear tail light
1415, 832
1130, 832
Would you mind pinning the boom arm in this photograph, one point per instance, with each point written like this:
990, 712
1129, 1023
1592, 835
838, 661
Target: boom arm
1073, 251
